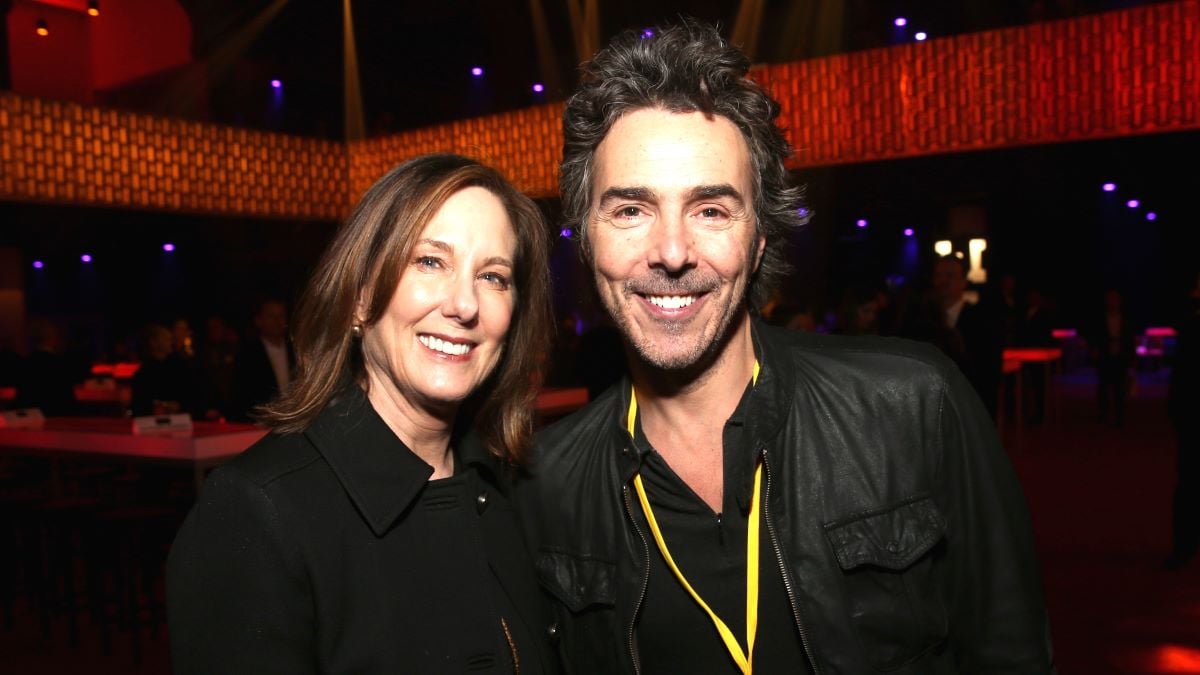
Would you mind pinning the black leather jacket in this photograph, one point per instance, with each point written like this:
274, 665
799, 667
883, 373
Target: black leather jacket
897, 521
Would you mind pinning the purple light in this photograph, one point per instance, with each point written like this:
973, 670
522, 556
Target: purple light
38, 264
921, 36
1132, 203
1109, 187
1151, 216
276, 84
168, 247
477, 71
860, 222
802, 212
647, 33
900, 22
539, 87
908, 232
565, 232
86, 257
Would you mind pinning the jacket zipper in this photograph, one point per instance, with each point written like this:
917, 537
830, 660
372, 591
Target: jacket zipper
637, 667
787, 579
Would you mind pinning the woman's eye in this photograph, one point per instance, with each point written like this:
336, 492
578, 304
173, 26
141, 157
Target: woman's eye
495, 279
427, 262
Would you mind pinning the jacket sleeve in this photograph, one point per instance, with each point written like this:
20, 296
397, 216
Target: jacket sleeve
998, 621
237, 598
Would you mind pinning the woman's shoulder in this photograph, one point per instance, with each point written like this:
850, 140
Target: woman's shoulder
273, 456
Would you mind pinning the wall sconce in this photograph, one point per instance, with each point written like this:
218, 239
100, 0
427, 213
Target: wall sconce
41, 28
93, 8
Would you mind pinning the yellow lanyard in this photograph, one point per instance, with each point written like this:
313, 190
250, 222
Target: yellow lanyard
743, 659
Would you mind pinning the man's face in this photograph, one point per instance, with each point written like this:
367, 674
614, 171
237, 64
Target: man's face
672, 231
949, 282
271, 321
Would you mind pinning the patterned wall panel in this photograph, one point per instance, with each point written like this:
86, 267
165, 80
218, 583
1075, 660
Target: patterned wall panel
525, 145
1128, 72
54, 151
1120, 73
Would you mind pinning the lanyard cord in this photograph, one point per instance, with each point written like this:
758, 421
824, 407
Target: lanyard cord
743, 659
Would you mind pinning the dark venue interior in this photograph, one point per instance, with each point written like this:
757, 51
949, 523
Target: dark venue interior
194, 158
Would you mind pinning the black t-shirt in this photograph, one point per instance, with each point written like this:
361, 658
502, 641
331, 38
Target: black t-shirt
674, 634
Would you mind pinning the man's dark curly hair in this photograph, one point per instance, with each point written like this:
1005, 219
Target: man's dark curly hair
681, 69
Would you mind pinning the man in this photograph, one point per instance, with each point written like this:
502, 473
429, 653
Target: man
970, 333
263, 367
839, 506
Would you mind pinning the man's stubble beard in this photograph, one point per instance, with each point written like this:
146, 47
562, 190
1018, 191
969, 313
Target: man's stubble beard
701, 354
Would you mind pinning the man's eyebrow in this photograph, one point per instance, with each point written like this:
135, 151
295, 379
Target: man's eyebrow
635, 193
713, 191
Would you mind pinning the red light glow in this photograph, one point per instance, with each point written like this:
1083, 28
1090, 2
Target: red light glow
1175, 659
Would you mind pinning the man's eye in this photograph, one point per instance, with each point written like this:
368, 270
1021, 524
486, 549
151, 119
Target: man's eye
711, 212
629, 212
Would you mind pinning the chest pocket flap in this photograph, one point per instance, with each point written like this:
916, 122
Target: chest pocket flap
893, 539
577, 581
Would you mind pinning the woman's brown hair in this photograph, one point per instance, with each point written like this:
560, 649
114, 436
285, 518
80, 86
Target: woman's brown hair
365, 260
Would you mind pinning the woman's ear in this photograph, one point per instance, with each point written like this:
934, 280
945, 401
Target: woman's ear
361, 307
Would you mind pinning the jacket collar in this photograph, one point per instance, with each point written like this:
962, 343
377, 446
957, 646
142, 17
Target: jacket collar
379, 473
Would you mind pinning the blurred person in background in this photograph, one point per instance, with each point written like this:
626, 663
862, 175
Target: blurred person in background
162, 385
263, 367
1112, 341
47, 377
858, 312
967, 329
216, 356
1183, 404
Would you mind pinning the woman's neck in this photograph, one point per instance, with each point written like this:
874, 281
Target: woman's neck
424, 432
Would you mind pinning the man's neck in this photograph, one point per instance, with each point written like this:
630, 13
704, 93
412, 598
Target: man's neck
274, 342
683, 414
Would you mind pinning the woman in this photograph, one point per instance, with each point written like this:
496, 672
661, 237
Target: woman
370, 532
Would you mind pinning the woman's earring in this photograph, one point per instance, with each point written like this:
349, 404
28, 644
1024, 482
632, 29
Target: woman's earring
356, 330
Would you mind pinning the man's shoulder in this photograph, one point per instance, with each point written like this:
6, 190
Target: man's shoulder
866, 355
589, 421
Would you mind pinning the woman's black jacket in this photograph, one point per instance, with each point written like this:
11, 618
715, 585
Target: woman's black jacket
294, 560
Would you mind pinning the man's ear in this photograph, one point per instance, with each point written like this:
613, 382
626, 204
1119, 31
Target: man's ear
758, 254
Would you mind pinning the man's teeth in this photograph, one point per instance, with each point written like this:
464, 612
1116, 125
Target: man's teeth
443, 346
671, 301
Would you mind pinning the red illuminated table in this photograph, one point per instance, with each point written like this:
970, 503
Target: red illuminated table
206, 446
1020, 356
552, 402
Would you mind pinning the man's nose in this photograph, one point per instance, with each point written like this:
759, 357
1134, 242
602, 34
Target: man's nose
672, 244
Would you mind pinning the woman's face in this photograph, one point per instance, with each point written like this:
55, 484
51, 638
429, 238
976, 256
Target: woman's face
443, 331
